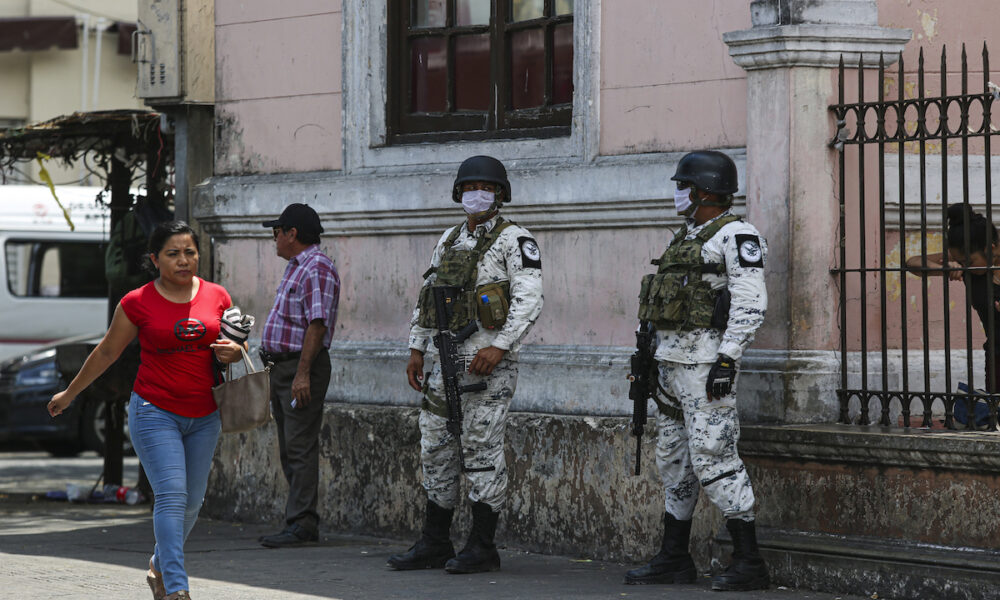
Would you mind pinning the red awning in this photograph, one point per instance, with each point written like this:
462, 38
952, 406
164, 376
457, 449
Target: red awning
37, 33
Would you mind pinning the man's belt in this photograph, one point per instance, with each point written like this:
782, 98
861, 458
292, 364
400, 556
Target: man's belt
277, 357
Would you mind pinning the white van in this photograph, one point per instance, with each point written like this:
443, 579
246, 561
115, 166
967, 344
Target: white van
54, 277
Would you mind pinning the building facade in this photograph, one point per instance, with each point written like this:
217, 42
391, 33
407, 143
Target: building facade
365, 109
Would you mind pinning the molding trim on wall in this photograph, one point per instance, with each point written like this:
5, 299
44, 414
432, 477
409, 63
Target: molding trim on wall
814, 45
910, 448
610, 192
591, 380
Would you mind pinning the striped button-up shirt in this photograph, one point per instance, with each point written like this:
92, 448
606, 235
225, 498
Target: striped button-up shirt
309, 290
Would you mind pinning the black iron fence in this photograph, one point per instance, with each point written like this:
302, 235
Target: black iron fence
910, 342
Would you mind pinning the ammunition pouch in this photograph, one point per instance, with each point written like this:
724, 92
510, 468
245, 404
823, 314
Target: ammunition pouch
676, 297
720, 316
488, 303
677, 301
493, 303
462, 312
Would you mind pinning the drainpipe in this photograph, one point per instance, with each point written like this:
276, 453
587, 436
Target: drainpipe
99, 38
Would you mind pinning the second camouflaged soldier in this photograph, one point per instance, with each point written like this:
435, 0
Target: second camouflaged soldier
706, 301
498, 264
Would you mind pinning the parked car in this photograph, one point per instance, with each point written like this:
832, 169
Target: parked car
27, 383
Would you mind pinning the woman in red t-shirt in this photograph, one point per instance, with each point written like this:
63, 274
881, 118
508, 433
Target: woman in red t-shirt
173, 420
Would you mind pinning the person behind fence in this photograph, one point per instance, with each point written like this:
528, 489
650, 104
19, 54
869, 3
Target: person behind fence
706, 301
498, 267
970, 230
296, 341
172, 417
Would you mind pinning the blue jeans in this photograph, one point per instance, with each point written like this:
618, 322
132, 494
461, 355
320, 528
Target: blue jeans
176, 453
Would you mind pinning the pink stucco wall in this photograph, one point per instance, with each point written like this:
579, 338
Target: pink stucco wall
380, 281
667, 82
278, 88
937, 22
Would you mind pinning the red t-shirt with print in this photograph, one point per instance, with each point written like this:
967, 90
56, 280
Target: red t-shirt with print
176, 369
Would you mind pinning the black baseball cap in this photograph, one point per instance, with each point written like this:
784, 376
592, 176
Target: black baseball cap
299, 216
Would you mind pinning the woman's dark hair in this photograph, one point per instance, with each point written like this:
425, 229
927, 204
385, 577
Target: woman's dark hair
982, 233
164, 231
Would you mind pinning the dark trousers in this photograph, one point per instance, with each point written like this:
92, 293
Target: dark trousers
298, 437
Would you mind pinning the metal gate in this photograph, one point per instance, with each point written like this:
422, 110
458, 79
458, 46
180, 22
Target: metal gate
905, 341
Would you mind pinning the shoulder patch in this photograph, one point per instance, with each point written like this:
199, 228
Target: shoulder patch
531, 256
751, 254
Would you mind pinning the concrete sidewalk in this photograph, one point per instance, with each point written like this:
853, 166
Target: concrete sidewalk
60, 550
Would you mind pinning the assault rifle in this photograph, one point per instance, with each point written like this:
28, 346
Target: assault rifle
643, 374
452, 366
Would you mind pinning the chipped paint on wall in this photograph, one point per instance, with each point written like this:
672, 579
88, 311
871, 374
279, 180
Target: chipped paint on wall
929, 23
913, 247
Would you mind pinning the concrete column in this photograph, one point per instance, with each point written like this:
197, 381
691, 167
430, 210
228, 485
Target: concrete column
790, 55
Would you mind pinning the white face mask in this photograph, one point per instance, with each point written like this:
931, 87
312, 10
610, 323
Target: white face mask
682, 200
477, 201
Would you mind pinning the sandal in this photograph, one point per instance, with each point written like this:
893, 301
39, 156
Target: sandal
155, 581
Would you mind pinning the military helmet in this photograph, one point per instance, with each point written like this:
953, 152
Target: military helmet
710, 171
481, 168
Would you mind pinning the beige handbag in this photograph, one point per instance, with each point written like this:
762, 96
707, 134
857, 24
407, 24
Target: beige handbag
244, 403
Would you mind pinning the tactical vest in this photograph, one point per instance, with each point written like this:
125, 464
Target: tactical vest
676, 298
460, 267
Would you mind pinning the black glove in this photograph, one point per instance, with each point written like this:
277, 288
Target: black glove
720, 378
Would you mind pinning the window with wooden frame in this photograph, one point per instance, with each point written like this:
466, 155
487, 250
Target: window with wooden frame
479, 69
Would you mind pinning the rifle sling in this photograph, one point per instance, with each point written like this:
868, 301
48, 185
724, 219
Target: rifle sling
667, 407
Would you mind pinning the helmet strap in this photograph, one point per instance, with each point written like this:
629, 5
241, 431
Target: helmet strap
727, 201
486, 215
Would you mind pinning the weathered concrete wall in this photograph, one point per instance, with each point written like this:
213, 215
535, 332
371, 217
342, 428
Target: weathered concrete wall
849, 509
870, 510
572, 489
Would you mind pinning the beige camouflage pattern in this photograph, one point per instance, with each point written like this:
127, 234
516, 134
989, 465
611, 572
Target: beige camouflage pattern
516, 259
701, 450
484, 423
749, 300
503, 261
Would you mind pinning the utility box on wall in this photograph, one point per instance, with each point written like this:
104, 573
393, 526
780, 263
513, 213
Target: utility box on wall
157, 49
174, 52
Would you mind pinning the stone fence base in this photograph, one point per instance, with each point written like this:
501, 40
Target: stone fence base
901, 513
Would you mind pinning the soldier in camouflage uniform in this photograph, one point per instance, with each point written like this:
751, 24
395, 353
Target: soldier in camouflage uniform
498, 264
706, 301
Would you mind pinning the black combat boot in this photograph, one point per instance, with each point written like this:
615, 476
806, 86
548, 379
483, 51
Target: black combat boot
673, 564
434, 548
480, 553
747, 571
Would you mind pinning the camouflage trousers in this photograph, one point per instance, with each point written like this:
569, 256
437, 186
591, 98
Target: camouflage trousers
701, 450
484, 424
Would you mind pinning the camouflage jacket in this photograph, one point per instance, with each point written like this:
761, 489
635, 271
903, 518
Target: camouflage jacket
514, 258
741, 248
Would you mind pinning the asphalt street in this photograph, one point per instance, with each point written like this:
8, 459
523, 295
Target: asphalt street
56, 549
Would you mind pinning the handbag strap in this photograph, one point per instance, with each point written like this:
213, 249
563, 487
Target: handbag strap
246, 359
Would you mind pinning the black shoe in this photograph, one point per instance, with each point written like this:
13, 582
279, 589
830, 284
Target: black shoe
673, 564
747, 571
293, 535
422, 555
434, 548
480, 553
